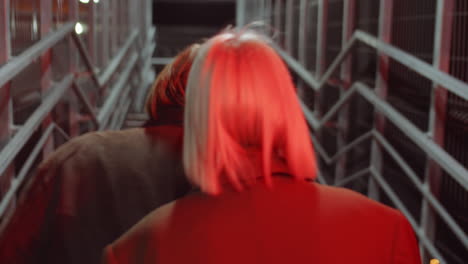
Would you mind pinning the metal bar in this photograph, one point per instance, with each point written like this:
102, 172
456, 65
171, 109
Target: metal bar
117, 60
309, 116
434, 151
84, 100
289, 26
20, 62
91, 34
6, 103
121, 119
438, 109
449, 82
346, 78
278, 20
399, 204
321, 37
355, 176
10, 151
87, 60
383, 64
344, 100
105, 32
74, 128
46, 65
351, 145
16, 183
422, 188
298, 68
161, 61
107, 109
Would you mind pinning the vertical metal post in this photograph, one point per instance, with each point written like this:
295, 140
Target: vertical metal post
6, 105
92, 32
113, 29
302, 42
46, 65
240, 13
105, 45
289, 26
438, 110
385, 32
278, 21
321, 50
73, 115
349, 8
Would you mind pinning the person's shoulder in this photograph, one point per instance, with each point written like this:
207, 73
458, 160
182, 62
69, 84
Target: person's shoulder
346, 201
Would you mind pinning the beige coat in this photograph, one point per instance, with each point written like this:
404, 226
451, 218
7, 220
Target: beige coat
93, 189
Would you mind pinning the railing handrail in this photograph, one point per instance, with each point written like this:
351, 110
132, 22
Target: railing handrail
424, 69
13, 67
452, 166
434, 151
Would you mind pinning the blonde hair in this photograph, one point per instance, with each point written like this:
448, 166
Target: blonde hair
169, 87
241, 101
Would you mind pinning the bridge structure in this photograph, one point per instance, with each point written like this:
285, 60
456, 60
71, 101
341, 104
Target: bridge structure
383, 85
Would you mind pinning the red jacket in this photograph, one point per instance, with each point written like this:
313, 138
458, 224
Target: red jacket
294, 222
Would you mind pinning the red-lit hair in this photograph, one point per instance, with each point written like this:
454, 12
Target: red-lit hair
241, 104
168, 89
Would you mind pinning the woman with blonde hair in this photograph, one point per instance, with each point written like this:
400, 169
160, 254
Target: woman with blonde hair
247, 147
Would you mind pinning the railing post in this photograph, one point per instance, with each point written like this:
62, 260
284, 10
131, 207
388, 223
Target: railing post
278, 20
302, 42
289, 26
240, 13
383, 63
73, 115
349, 8
320, 63
46, 66
92, 32
6, 105
437, 114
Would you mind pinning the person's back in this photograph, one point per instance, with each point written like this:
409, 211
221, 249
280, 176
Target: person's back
291, 223
247, 147
96, 186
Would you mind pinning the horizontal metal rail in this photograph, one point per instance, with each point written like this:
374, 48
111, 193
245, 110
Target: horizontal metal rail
20, 62
55, 94
106, 110
117, 60
434, 151
161, 61
16, 182
9, 152
399, 204
423, 68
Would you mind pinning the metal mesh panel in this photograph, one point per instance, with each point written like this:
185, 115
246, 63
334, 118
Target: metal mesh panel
452, 195
413, 31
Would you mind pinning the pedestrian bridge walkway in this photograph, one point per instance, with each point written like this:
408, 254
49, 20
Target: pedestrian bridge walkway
383, 86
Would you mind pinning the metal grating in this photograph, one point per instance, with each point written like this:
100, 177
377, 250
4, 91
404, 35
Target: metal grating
452, 195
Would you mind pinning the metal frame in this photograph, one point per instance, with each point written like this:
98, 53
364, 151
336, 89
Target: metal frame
431, 145
437, 114
126, 61
433, 150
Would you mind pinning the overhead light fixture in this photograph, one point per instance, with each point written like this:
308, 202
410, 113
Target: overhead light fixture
84, 1
79, 28
96, 1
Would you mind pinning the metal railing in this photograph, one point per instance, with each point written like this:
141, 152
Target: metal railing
353, 39
435, 152
104, 118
